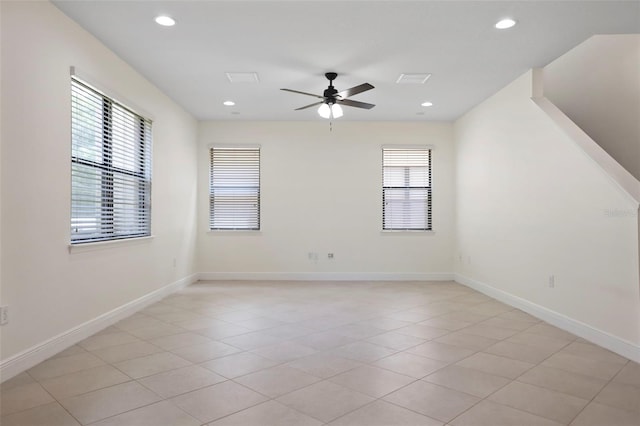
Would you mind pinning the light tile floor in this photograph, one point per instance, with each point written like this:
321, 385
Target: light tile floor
327, 353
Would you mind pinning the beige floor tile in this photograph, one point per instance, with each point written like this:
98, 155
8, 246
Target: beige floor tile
180, 340
422, 331
372, 381
466, 380
238, 364
222, 331
155, 331
363, 351
105, 340
137, 321
549, 330
446, 323
151, 364
45, 415
490, 331
588, 367
358, 331
467, 341
411, 316
183, 380
71, 350
542, 402
441, 351
289, 331
498, 365
465, 316
277, 381
127, 351
432, 400
324, 340
596, 353
100, 404
629, 375
324, 365
60, 366
108, 330
511, 324
284, 351
538, 340
620, 395
259, 323
596, 414
84, 381
563, 381
217, 401
381, 413
385, 323
201, 323
395, 340
21, 379
162, 413
205, 352
23, 397
519, 315
489, 413
325, 401
178, 316
410, 365
532, 354
270, 413
252, 340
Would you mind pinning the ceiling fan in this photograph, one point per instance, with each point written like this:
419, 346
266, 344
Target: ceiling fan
332, 99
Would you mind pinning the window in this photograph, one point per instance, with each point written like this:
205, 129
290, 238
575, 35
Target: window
406, 189
110, 168
234, 188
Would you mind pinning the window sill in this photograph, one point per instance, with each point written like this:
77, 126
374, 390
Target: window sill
407, 232
101, 245
234, 232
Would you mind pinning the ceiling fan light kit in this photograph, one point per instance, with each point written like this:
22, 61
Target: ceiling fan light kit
331, 104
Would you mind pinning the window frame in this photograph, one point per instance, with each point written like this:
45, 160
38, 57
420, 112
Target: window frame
257, 189
428, 219
107, 173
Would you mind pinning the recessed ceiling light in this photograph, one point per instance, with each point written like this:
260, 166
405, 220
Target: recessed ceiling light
427, 104
505, 23
165, 21
229, 103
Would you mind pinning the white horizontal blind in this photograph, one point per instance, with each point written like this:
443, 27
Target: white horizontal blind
234, 188
406, 189
110, 168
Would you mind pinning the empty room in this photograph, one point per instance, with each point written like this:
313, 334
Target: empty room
304, 213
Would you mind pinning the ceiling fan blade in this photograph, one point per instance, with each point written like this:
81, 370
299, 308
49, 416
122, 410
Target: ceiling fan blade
309, 106
303, 93
356, 104
354, 90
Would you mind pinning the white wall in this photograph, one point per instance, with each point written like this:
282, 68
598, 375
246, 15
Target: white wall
321, 192
597, 85
531, 204
50, 291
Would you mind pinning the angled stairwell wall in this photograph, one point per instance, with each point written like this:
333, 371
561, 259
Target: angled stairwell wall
536, 200
597, 85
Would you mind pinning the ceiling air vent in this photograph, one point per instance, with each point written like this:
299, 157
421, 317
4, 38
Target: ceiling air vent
413, 78
243, 77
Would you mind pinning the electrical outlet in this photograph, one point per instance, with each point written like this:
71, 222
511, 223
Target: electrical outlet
313, 256
552, 281
4, 315
329, 255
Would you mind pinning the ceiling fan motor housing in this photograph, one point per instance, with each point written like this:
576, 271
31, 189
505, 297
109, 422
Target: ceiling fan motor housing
330, 92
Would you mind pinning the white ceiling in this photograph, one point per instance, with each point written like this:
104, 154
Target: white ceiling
291, 44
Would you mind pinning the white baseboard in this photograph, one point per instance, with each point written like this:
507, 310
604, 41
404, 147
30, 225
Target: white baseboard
28, 358
324, 276
587, 332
